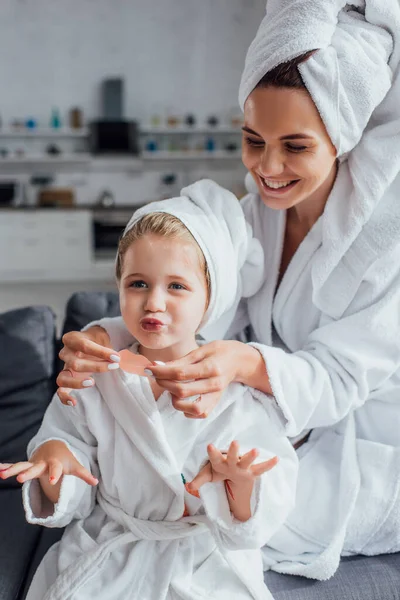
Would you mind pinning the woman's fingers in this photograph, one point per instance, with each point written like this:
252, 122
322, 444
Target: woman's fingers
33, 473
85, 363
184, 390
199, 408
70, 379
265, 466
83, 355
79, 341
14, 469
65, 396
198, 364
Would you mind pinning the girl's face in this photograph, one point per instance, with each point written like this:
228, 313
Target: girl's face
163, 295
286, 148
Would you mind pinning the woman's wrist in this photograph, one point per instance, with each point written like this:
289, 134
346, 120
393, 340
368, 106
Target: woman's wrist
251, 370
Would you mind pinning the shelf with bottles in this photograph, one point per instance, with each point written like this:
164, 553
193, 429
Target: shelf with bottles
43, 133
188, 155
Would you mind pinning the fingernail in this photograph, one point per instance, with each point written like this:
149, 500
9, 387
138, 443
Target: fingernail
115, 358
191, 491
70, 403
87, 383
113, 366
148, 372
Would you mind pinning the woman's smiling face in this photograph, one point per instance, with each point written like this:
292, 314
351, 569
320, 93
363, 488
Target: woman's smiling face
286, 147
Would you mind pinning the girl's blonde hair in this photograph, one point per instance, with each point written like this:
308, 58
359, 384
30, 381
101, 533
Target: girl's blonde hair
163, 225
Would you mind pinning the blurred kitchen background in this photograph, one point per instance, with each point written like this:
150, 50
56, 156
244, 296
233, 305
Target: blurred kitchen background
106, 105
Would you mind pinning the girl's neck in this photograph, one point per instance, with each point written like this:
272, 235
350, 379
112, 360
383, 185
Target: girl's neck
174, 352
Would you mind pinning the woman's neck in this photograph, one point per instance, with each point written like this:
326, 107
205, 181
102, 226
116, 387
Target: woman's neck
305, 214
170, 353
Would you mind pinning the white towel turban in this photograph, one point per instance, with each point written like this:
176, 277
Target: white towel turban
234, 258
352, 71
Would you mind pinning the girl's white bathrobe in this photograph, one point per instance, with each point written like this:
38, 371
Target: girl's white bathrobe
127, 538
333, 359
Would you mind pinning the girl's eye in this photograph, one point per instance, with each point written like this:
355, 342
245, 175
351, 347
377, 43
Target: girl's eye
177, 286
138, 284
293, 148
254, 143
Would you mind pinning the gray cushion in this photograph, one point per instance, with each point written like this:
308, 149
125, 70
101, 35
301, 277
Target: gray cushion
84, 307
358, 578
27, 346
18, 544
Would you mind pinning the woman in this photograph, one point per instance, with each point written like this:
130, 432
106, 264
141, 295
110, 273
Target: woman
321, 140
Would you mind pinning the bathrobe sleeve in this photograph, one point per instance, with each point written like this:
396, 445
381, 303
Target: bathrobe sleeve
344, 360
273, 494
120, 337
77, 498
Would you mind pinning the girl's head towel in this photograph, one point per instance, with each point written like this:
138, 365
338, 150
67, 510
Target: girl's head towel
214, 217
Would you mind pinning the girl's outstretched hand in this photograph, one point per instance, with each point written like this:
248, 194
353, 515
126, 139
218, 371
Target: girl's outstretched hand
239, 474
231, 467
49, 463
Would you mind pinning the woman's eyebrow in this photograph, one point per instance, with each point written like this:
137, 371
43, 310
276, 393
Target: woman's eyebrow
291, 136
250, 131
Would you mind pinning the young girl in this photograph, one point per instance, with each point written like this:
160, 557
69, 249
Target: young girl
113, 468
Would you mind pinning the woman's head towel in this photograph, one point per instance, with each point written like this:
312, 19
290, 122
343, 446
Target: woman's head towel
352, 71
234, 258
354, 81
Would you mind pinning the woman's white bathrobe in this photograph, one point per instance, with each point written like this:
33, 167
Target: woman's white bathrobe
127, 538
335, 369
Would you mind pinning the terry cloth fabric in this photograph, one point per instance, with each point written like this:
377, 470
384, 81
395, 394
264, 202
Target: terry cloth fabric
214, 217
354, 81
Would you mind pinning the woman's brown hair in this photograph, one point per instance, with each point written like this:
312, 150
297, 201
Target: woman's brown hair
286, 74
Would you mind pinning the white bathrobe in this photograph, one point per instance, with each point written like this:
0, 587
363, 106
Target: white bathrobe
127, 538
335, 369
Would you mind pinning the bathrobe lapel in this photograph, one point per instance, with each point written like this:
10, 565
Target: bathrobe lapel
133, 403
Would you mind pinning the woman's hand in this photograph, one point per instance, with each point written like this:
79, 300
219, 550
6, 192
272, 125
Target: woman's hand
207, 371
49, 463
84, 353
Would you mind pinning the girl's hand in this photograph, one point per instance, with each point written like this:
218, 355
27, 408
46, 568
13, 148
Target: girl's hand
207, 371
84, 353
231, 467
239, 474
49, 463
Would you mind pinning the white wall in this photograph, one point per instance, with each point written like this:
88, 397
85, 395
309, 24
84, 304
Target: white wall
186, 55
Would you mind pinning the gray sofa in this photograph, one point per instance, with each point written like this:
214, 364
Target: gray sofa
28, 367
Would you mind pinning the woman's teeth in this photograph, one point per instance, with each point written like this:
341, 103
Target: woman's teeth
275, 185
